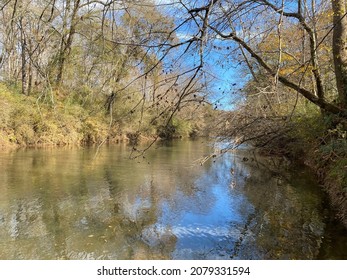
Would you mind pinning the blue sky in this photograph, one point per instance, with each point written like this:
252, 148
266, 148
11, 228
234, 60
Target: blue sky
229, 75
224, 74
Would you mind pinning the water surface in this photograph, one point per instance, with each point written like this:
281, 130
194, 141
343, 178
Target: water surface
68, 203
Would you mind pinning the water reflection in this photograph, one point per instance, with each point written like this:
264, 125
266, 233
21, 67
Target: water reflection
69, 204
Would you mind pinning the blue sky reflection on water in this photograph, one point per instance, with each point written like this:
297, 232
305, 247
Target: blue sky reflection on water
208, 223
113, 208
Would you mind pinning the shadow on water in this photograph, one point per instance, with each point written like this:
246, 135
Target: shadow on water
67, 204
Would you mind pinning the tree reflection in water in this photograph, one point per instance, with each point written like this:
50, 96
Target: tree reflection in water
68, 204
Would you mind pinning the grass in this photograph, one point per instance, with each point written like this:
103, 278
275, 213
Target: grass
27, 121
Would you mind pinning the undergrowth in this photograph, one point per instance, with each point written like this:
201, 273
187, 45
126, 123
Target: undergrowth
31, 120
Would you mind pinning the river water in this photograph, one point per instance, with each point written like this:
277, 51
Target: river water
75, 203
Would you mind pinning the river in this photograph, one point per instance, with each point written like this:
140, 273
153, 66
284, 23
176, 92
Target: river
77, 203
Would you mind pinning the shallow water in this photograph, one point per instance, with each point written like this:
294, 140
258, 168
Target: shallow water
72, 203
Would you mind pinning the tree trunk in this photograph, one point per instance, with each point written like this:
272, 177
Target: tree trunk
66, 42
340, 49
23, 57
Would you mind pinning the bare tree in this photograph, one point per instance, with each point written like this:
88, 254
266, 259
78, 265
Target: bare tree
222, 21
70, 20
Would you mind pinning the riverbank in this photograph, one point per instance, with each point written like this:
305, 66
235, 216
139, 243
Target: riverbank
58, 119
40, 121
332, 174
322, 146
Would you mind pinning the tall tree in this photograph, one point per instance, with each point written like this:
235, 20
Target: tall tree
221, 21
340, 49
70, 20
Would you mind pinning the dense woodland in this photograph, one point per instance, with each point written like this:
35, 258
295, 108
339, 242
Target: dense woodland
91, 71
84, 71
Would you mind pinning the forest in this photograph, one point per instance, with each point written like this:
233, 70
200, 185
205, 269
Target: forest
271, 74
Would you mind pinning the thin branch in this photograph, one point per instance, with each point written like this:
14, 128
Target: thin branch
307, 94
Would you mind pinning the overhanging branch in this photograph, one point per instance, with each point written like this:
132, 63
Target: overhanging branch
329, 107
